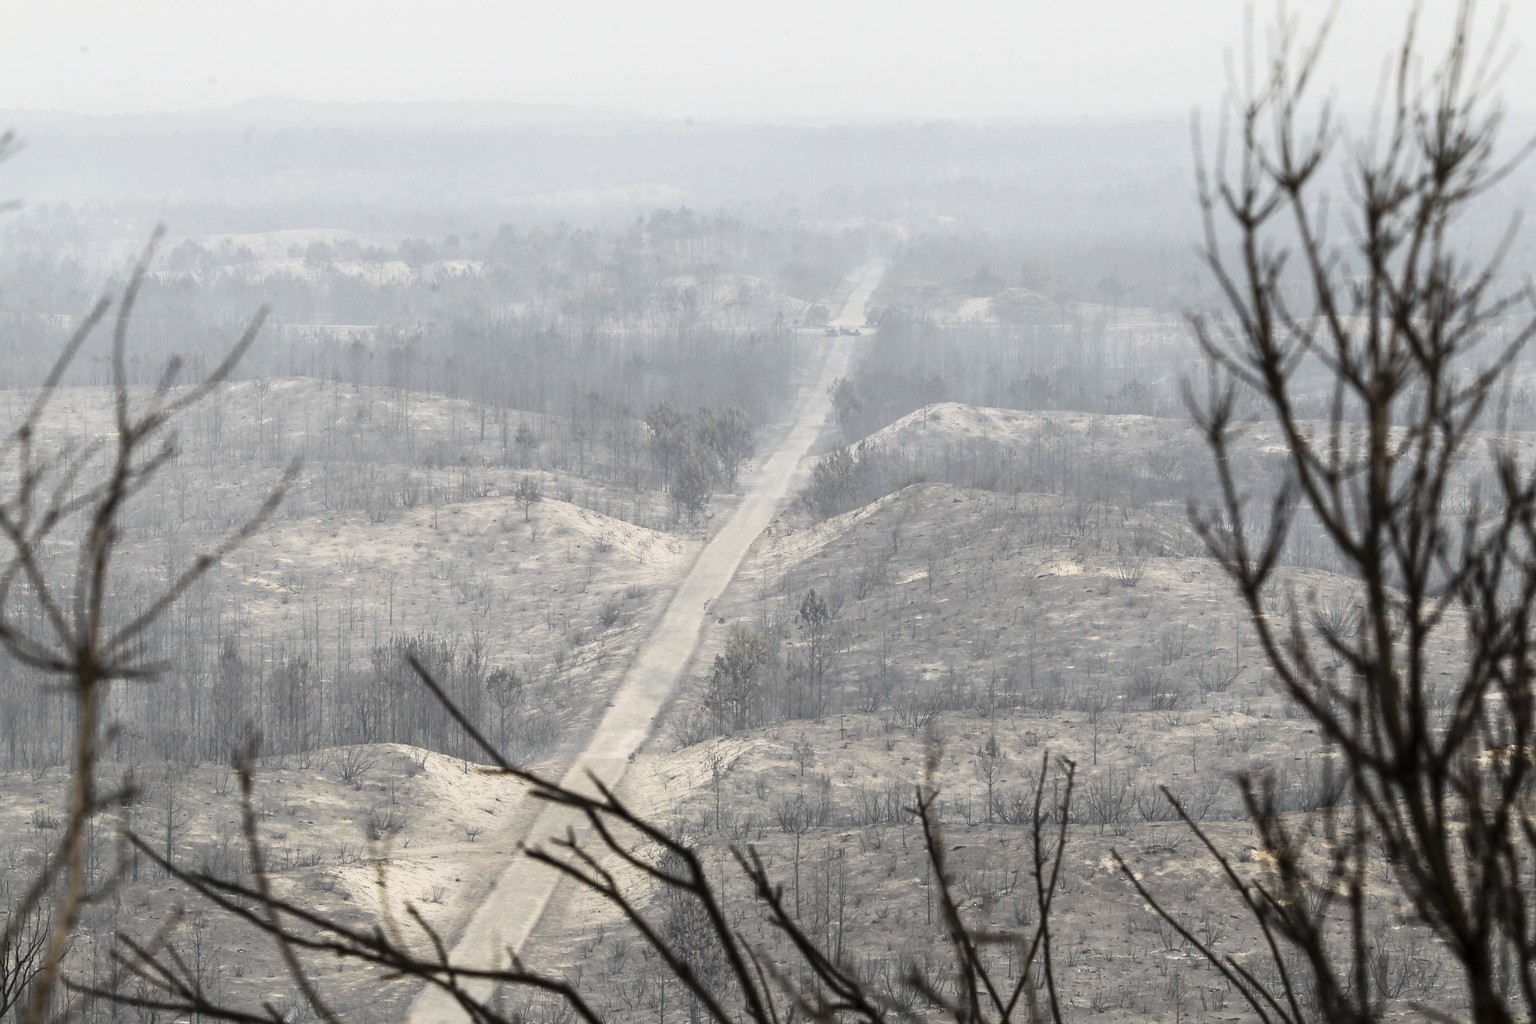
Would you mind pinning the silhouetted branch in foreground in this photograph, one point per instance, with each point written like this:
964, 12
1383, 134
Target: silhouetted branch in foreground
751, 984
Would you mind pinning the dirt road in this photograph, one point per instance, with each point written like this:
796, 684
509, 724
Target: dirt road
510, 911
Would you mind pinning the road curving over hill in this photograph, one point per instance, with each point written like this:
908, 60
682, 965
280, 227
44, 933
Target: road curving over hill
512, 909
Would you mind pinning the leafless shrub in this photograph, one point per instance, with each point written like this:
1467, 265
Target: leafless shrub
690, 726
1338, 615
611, 613
355, 762
1128, 570
1151, 805
384, 821
1214, 675
1106, 801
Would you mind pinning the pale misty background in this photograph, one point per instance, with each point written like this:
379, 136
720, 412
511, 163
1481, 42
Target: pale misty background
801, 58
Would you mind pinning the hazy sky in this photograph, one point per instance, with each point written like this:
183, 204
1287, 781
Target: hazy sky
808, 58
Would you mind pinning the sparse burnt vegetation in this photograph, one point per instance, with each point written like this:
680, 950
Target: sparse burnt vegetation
1037, 697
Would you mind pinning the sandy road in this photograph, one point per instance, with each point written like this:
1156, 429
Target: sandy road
512, 909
